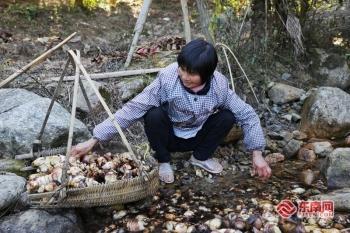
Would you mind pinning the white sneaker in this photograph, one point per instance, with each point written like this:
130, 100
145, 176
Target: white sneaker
166, 173
210, 165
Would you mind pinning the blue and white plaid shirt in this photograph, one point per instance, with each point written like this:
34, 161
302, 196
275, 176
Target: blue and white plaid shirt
187, 110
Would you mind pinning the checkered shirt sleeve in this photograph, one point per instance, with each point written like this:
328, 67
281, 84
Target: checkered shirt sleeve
247, 118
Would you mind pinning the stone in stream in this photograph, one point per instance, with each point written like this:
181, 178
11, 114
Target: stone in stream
11, 187
214, 223
340, 197
130, 87
298, 135
331, 69
274, 158
21, 116
291, 148
34, 221
308, 176
93, 99
282, 93
322, 149
326, 113
336, 168
306, 155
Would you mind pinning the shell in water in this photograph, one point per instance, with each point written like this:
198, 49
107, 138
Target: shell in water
135, 225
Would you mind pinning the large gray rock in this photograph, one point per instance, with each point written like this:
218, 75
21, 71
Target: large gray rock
331, 70
326, 113
21, 116
292, 148
336, 168
281, 93
322, 149
234, 135
34, 221
340, 197
11, 186
130, 87
93, 99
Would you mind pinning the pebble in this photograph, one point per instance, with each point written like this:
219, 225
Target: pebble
214, 223
288, 117
199, 173
189, 213
325, 222
181, 228
170, 225
298, 135
119, 215
298, 191
203, 208
306, 155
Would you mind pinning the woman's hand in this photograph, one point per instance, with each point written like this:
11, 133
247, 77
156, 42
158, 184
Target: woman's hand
83, 148
260, 166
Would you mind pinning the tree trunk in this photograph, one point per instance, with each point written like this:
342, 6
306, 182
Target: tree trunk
204, 19
258, 22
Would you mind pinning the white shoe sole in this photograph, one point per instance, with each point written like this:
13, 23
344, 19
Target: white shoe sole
204, 167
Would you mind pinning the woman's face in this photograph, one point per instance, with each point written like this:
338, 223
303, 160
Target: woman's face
189, 80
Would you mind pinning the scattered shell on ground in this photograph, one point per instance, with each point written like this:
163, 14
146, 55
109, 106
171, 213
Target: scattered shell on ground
298, 191
181, 228
170, 216
189, 214
306, 155
119, 215
239, 223
214, 223
271, 228
266, 205
313, 229
135, 225
270, 217
170, 225
255, 221
325, 222
274, 158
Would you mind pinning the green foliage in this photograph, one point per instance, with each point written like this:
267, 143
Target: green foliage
91, 4
236, 5
29, 11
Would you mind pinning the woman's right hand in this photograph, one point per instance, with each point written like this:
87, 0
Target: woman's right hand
83, 148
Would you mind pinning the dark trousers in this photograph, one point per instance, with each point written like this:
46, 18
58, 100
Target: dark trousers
160, 134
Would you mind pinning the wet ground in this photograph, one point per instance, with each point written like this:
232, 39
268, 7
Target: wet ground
197, 197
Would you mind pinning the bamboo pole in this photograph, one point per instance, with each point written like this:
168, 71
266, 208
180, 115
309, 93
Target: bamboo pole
187, 27
104, 104
116, 74
138, 29
35, 62
71, 126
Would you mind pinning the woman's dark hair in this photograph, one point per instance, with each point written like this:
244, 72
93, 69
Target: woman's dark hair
198, 57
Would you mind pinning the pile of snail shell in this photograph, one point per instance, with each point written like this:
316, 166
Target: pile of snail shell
92, 169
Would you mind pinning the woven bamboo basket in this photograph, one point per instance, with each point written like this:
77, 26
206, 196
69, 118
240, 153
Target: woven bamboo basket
119, 192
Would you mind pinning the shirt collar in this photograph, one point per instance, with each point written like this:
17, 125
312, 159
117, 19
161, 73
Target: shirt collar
203, 91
